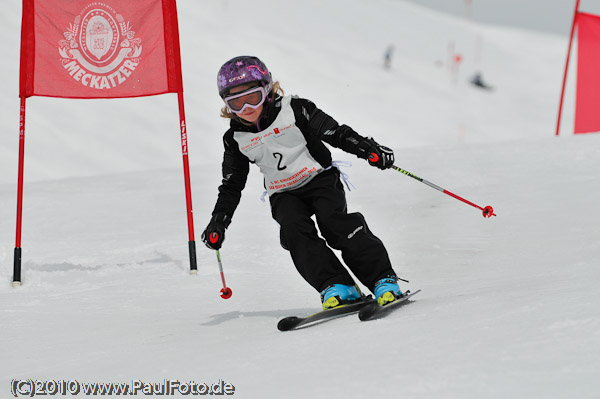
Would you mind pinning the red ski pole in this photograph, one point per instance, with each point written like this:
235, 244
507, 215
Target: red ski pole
488, 211
225, 291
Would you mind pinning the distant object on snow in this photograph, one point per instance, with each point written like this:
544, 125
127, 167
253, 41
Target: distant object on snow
387, 57
477, 80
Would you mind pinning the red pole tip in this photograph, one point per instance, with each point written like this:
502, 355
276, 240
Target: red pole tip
488, 212
226, 293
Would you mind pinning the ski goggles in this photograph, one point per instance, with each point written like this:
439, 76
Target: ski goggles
251, 98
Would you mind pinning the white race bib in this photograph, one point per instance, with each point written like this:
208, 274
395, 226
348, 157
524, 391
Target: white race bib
280, 152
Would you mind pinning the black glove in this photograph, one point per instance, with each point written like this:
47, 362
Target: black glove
214, 234
381, 157
377, 155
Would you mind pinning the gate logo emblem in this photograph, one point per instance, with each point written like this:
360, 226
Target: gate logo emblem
99, 49
99, 34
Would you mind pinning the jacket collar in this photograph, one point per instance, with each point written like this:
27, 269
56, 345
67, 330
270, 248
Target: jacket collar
270, 111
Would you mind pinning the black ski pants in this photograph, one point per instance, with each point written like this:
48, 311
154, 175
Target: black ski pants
324, 197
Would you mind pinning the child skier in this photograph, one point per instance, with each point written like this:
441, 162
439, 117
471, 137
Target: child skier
284, 136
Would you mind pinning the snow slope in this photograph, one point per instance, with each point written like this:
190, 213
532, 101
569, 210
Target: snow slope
509, 306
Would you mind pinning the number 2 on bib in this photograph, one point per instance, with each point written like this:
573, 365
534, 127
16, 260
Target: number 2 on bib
280, 156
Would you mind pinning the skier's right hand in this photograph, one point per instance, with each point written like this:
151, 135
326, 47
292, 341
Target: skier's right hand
214, 234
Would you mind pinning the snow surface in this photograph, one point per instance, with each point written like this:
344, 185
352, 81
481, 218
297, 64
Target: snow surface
509, 306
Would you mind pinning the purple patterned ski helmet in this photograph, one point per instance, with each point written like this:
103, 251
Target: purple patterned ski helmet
242, 70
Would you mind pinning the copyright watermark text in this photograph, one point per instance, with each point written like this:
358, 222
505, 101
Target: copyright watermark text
31, 388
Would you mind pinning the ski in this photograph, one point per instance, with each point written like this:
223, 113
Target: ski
294, 322
374, 311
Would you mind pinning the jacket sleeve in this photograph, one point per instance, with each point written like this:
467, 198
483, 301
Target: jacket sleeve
235, 173
319, 124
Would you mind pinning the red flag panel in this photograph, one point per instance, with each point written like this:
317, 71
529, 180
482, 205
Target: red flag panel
587, 109
99, 49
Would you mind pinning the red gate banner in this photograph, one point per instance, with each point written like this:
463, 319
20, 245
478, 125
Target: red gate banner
587, 109
99, 49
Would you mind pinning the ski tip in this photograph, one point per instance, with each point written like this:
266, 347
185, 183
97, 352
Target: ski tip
368, 311
288, 323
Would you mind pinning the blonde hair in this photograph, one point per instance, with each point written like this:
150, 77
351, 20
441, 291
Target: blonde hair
275, 91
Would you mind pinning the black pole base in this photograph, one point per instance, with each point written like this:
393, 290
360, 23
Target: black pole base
193, 264
17, 268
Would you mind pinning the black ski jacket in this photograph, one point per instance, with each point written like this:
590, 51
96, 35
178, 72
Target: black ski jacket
316, 126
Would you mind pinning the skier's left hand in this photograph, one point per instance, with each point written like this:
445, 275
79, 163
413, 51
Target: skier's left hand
381, 157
